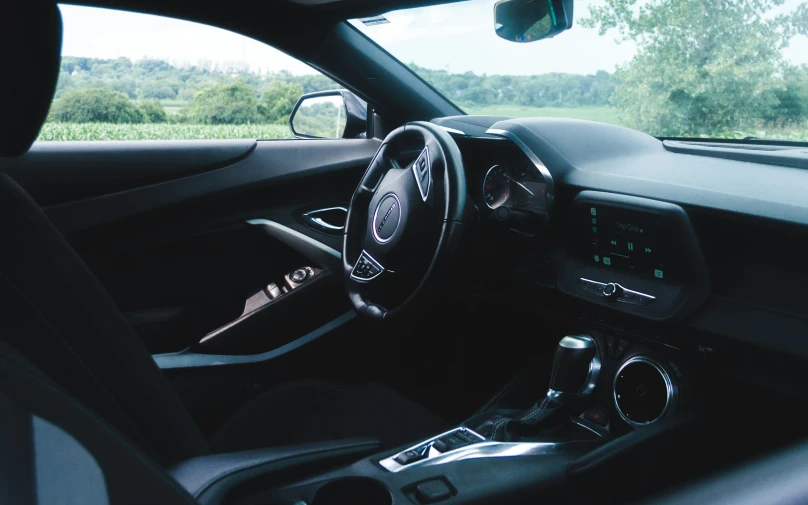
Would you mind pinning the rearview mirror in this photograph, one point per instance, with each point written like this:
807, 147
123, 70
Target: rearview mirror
531, 20
329, 114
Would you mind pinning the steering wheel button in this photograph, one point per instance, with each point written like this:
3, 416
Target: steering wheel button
366, 268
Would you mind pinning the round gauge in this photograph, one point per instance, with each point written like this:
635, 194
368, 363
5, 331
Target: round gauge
496, 186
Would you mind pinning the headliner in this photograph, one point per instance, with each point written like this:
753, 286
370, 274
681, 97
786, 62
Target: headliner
320, 10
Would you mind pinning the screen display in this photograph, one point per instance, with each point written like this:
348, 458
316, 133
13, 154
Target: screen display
628, 240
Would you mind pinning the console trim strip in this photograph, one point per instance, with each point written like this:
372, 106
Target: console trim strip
483, 449
392, 465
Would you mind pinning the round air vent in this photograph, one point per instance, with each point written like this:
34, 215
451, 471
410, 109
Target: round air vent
643, 391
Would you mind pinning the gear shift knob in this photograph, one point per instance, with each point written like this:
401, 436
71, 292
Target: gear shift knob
575, 367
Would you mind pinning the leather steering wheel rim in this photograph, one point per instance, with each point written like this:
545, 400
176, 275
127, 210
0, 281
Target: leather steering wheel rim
404, 224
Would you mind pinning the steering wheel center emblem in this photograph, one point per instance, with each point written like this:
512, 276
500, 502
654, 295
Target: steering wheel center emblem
386, 218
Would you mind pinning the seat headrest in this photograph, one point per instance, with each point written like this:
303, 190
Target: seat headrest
30, 51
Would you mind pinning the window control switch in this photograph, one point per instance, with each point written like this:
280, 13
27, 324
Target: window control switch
411, 456
441, 446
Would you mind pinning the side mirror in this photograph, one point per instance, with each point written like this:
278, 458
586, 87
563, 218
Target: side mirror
329, 115
531, 20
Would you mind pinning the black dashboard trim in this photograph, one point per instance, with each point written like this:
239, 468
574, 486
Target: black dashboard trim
784, 156
614, 159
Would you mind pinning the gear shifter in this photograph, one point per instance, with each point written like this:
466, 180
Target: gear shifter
576, 367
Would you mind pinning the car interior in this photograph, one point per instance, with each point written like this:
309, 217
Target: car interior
436, 308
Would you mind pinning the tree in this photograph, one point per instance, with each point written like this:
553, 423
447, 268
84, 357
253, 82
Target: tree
159, 90
125, 85
702, 66
95, 105
278, 100
234, 103
153, 112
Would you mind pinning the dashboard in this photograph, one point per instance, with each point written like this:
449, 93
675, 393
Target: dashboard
709, 238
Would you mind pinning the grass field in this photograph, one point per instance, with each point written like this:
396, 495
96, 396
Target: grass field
602, 114
106, 131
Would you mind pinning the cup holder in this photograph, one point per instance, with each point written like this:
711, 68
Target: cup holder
358, 491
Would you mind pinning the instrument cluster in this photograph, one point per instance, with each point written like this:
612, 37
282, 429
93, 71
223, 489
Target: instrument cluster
516, 187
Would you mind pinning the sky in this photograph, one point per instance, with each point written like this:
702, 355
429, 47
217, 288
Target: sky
456, 37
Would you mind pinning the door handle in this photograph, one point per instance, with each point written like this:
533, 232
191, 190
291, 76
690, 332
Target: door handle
330, 219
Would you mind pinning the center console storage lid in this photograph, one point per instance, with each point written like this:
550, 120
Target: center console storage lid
209, 479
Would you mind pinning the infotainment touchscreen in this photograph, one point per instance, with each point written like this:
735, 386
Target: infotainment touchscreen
629, 240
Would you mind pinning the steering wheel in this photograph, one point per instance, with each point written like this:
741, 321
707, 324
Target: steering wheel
404, 223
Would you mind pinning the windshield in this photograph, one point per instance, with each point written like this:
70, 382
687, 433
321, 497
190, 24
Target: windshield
670, 68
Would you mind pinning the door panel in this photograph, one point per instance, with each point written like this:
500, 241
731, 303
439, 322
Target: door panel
271, 164
178, 255
61, 172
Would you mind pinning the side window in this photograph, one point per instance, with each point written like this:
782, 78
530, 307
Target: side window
129, 76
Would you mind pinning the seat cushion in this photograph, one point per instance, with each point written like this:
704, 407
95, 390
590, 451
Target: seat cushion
314, 411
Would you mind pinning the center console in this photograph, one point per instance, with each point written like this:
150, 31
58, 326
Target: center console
604, 395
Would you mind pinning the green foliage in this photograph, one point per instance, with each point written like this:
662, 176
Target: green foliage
153, 112
159, 90
278, 100
154, 78
544, 90
96, 105
234, 103
322, 117
702, 66
106, 131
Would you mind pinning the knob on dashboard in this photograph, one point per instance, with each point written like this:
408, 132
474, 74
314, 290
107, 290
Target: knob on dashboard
612, 291
643, 391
